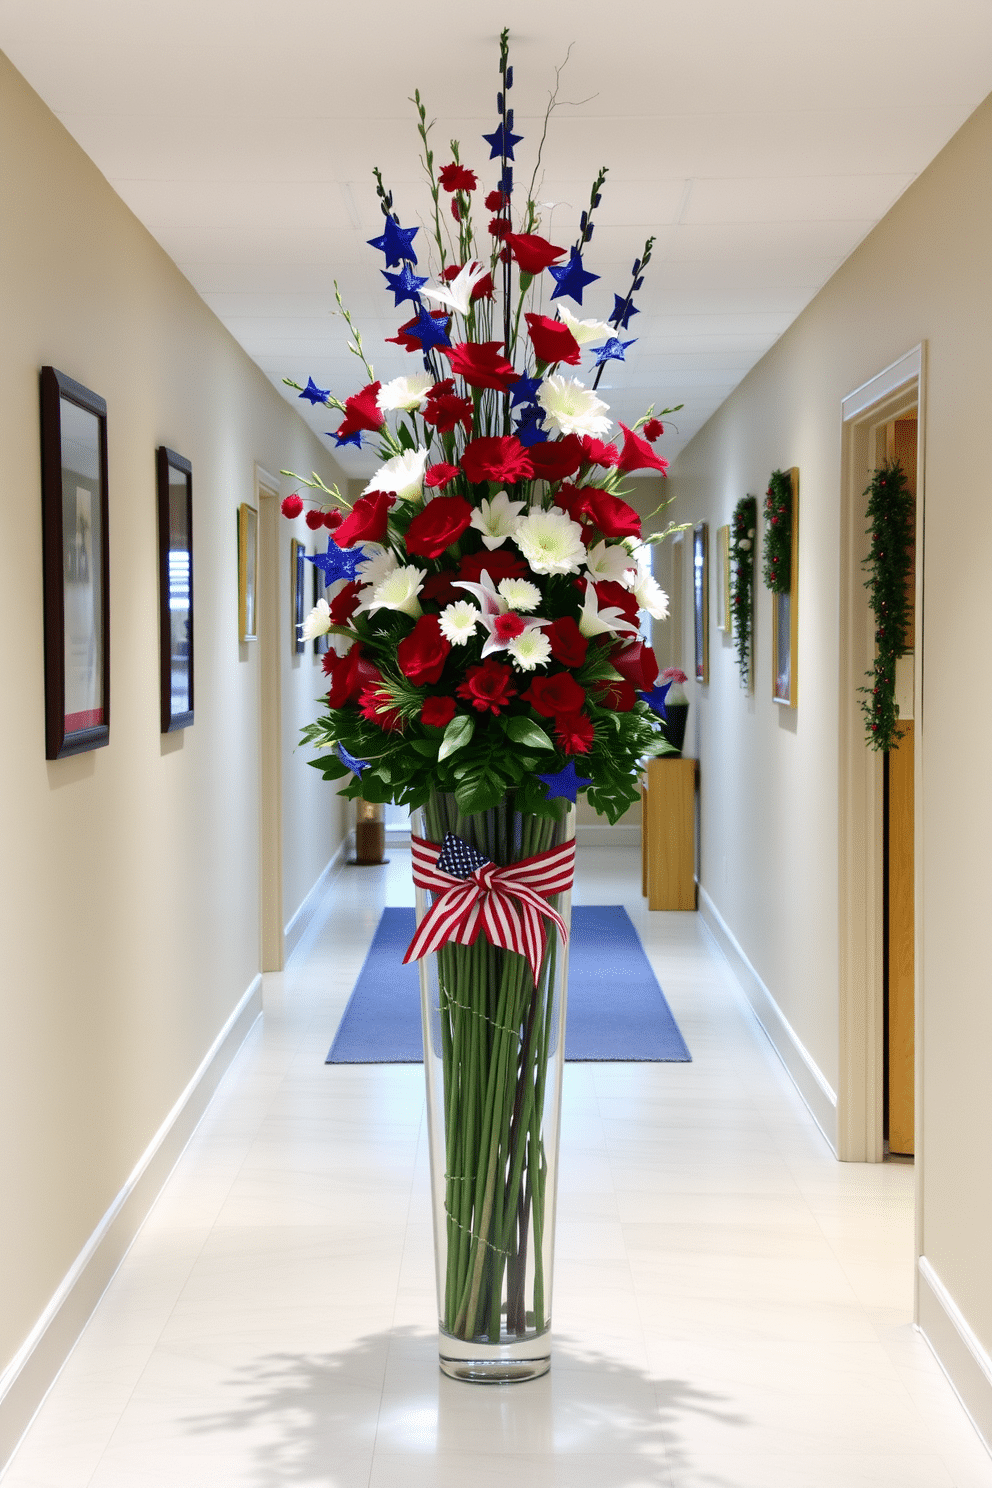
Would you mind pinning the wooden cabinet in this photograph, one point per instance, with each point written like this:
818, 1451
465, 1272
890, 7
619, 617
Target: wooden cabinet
668, 833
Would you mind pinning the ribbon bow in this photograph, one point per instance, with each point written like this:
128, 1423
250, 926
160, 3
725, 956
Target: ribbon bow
507, 905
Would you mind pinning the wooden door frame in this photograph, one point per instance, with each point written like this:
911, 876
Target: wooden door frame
896, 391
270, 631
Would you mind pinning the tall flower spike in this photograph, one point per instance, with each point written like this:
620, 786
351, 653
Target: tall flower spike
623, 309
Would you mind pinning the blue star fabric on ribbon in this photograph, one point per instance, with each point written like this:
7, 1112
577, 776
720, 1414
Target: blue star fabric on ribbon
396, 243
405, 285
458, 857
655, 700
565, 784
336, 563
501, 142
571, 278
313, 393
612, 350
430, 332
356, 766
622, 311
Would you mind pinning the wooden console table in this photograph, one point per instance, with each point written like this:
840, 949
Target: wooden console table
668, 833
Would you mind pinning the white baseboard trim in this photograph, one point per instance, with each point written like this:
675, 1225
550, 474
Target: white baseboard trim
37, 1364
297, 927
594, 835
957, 1350
806, 1075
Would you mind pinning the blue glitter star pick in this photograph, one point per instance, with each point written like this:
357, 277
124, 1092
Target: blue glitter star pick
405, 285
565, 783
612, 350
501, 142
313, 393
655, 700
396, 243
459, 858
571, 278
528, 429
622, 312
524, 390
429, 332
355, 438
336, 563
356, 766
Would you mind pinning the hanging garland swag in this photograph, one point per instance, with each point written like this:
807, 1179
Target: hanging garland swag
743, 528
889, 564
778, 533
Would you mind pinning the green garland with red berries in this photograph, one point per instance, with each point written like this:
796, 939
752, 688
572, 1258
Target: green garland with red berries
743, 534
777, 570
889, 565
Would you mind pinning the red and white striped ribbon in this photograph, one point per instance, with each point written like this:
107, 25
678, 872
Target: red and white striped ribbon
504, 904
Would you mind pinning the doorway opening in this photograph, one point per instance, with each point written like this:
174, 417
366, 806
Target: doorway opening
272, 933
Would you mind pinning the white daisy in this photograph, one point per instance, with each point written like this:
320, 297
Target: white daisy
551, 542
318, 622
377, 564
606, 621
458, 294
497, 519
399, 590
529, 650
609, 561
404, 394
586, 331
520, 594
401, 476
458, 622
572, 408
649, 594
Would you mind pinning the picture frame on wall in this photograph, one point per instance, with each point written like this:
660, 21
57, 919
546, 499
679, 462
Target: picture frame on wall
322, 643
76, 565
174, 478
723, 578
297, 594
247, 572
700, 605
785, 617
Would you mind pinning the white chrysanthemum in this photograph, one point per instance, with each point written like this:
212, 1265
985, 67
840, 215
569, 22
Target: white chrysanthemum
551, 542
650, 595
572, 408
609, 561
399, 590
402, 476
318, 622
404, 394
586, 331
497, 519
520, 594
458, 294
529, 650
377, 564
458, 622
606, 621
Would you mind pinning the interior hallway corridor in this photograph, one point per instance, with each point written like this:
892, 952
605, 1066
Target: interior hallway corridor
732, 1306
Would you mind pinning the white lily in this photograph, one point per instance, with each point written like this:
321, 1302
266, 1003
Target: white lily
586, 331
497, 519
404, 394
399, 590
503, 624
402, 476
458, 294
609, 561
606, 621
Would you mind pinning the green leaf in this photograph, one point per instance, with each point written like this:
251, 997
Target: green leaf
480, 789
330, 766
458, 733
525, 731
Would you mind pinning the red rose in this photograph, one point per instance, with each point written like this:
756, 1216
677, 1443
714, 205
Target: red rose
362, 411
499, 564
571, 499
610, 594
482, 289
556, 459
481, 365
568, 644
404, 336
559, 693
574, 733
502, 459
377, 705
367, 522
552, 340
532, 253
488, 687
291, 505
653, 429
613, 517
620, 696
421, 655
438, 712
637, 454
441, 523
349, 674
637, 664
333, 518
447, 410
457, 177
439, 475
344, 604
598, 453
314, 519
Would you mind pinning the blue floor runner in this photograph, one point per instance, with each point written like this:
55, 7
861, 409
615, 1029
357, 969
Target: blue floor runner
616, 1009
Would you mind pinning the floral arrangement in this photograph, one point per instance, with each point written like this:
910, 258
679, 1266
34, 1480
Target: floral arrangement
743, 527
778, 533
889, 566
485, 589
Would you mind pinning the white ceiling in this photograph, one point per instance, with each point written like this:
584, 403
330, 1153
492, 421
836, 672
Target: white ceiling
757, 142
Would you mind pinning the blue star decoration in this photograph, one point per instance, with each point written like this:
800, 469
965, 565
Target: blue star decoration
655, 700
313, 393
356, 766
396, 243
524, 390
405, 285
336, 563
571, 278
528, 429
622, 311
458, 857
355, 438
430, 332
612, 350
501, 142
564, 783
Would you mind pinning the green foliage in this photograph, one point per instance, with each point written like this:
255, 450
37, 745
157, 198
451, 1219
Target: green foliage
889, 565
743, 542
777, 570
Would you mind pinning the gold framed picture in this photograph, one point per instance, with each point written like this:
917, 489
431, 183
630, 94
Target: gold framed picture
723, 578
247, 572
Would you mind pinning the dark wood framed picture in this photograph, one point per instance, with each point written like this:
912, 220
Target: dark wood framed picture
700, 602
785, 617
297, 593
76, 563
175, 587
247, 572
322, 643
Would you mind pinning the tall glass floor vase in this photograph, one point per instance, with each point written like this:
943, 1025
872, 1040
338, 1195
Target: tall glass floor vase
493, 1059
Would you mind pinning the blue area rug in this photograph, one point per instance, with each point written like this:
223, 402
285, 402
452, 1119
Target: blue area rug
616, 1010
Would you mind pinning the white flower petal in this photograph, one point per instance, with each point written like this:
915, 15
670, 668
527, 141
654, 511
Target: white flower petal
318, 622
497, 519
551, 542
401, 476
530, 650
458, 294
458, 622
520, 594
609, 561
586, 331
571, 407
404, 394
399, 590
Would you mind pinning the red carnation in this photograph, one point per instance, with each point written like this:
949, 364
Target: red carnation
636, 663
447, 410
532, 253
333, 518
613, 517
507, 627
404, 337
349, 674
481, 364
574, 733
456, 210
439, 475
495, 201
345, 603
568, 644
637, 454
499, 227
314, 519
552, 340
618, 695
502, 459
421, 655
556, 459
291, 505
482, 289
362, 411
438, 712
598, 453
367, 522
653, 429
455, 177
441, 523
559, 693
377, 705
488, 687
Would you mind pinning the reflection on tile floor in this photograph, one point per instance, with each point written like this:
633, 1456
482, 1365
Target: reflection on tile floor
732, 1309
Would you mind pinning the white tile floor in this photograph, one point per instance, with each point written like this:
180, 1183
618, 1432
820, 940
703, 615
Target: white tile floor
732, 1308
